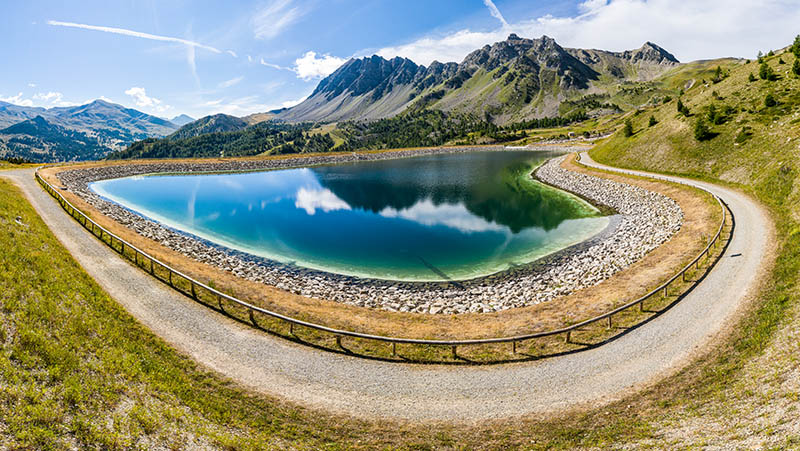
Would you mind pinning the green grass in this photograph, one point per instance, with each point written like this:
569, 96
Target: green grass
77, 370
764, 164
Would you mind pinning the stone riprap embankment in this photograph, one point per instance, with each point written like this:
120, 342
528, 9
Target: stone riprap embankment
644, 221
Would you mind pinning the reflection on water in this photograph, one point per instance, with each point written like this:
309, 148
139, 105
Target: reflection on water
426, 218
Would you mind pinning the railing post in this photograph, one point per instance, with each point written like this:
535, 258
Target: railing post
152, 271
170, 279
513, 346
291, 328
569, 335
641, 306
252, 318
339, 341
455, 354
609, 321
394, 349
194, 296
219, 301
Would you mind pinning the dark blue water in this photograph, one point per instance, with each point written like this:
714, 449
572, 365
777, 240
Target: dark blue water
425, 218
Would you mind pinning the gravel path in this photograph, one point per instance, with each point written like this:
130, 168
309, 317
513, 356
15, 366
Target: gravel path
370, 389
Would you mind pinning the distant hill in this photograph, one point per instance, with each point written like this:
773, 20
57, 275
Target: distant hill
181, 120
11, 114
216, 123
104, 124
511, 80
39, 140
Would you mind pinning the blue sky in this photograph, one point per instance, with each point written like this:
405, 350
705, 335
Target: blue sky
241, 57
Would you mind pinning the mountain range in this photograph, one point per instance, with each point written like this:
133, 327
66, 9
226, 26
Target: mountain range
58, 134
511, 80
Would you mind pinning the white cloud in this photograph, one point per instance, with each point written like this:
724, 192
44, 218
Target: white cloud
689, 29
136, 34
49, 97
274, 17
17, 100
495, 12
231, 53
309, 66
323, 199
231, 82
249, 59
31, 85
455, 216
142, 100
591, 5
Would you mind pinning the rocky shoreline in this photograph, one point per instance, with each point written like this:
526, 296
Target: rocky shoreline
644, 221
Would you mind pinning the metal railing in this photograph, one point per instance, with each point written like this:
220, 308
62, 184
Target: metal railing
195, 286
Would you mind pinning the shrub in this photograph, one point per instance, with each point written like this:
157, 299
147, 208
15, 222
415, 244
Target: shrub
780, 61
744, 134
769, 101
682, 109
701, 130
751, 78
628, 129
667, 99
771, 53
796, 67
652, 121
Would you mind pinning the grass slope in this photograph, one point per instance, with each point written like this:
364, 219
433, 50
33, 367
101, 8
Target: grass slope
748, 390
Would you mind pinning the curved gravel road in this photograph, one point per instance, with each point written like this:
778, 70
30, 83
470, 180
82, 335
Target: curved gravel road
370, 389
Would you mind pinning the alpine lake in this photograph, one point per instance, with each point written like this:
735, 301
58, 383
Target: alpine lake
426, 218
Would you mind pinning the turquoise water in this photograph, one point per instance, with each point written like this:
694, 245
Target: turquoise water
441, 217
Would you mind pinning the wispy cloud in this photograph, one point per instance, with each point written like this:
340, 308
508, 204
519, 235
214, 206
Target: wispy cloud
310, 67
231, 82
231, 53
142, 100
135, 34
495, 12
274, 66
274, 17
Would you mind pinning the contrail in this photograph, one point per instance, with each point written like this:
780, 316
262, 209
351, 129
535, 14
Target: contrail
495, 12
135, 34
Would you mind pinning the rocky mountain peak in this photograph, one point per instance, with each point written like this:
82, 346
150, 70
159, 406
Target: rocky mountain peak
650, 53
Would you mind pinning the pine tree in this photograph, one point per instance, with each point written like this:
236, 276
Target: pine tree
796, 46
717, 75
766, 72
628, 130
796, 67
652, 121
751, 78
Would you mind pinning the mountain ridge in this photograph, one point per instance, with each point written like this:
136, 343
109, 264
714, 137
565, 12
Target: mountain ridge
515, 79
98, 123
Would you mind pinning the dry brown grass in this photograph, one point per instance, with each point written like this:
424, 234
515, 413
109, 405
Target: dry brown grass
700, 223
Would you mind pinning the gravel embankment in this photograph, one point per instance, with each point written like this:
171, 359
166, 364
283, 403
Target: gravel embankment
644, 221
